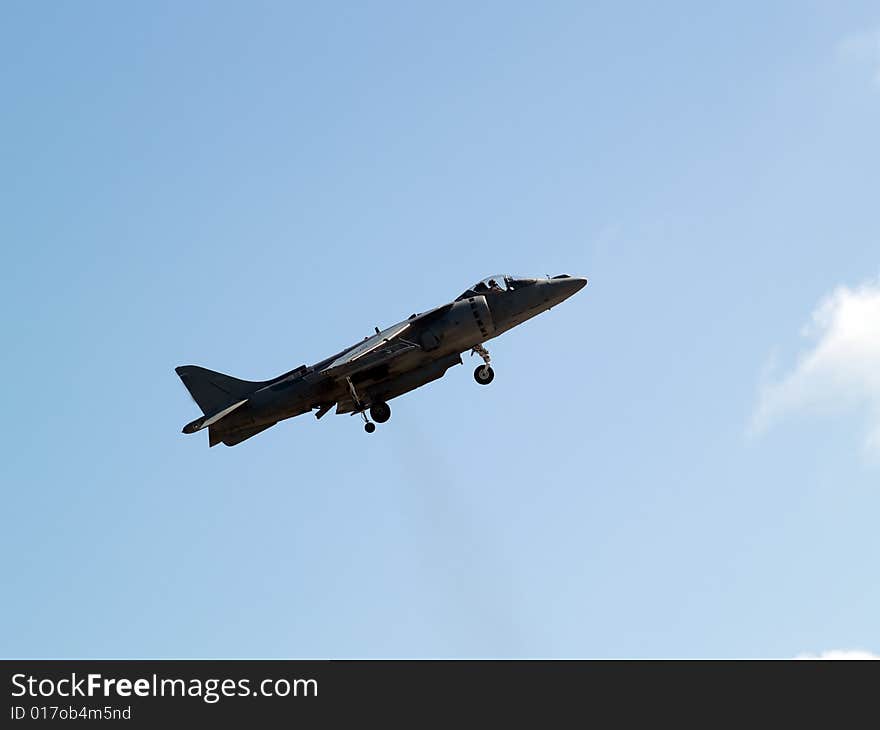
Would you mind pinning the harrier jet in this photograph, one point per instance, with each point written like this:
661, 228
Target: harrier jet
365, 376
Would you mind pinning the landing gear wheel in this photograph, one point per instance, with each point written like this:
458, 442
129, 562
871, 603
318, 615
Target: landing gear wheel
369, 427
484, 375
380, 412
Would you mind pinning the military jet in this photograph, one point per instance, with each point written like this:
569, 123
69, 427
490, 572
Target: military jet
362, 378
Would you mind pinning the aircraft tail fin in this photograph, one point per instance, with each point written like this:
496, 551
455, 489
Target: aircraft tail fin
212, 391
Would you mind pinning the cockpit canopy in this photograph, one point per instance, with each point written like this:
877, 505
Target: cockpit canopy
500, 283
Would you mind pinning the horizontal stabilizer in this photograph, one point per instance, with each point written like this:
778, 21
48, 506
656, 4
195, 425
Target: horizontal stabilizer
235, 437
206, 421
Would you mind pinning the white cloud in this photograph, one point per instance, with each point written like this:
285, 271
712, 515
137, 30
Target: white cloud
841, 371
858, 654
863, 47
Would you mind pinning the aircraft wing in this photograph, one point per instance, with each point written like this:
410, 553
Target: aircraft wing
374, 350
369, 344
381, 347
377, 356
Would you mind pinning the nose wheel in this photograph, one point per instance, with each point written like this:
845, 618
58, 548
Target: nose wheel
369, 427
484, 374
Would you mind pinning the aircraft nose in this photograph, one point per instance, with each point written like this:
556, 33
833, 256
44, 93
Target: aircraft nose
564, 288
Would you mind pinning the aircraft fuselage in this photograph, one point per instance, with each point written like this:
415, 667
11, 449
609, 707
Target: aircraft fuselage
366, 375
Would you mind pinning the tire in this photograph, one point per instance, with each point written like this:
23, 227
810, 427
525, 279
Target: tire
369, 427
484, 374
380, 412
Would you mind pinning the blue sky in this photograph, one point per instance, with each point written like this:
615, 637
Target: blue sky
666, 465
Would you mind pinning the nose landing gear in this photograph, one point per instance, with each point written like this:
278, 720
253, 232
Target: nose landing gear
484, 374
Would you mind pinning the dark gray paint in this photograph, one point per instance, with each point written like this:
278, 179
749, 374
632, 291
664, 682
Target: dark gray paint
379, 368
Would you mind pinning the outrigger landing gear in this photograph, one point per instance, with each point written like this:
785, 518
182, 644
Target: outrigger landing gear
484, 374
379, 411
359, 408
